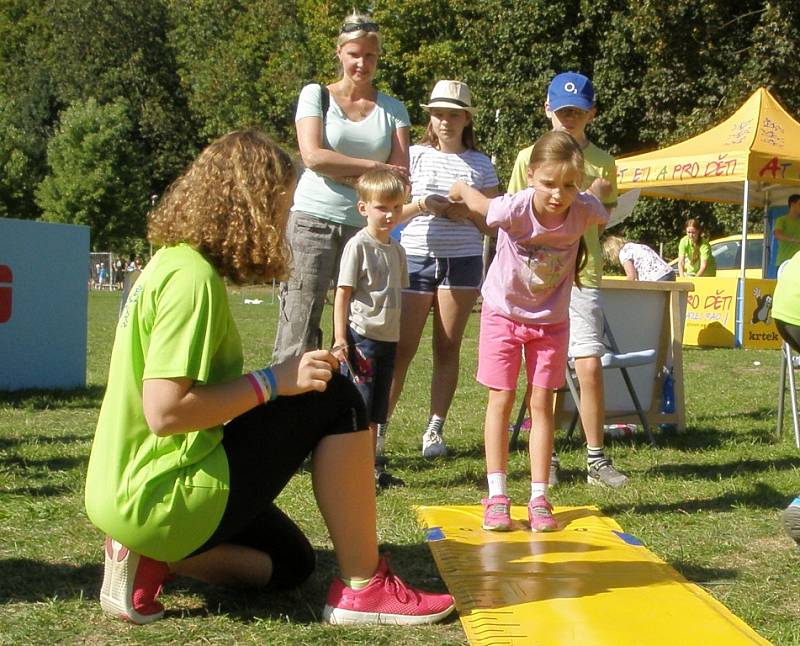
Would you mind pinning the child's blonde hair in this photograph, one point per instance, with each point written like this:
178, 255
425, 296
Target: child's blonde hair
559, 147
612, 245
351, 31
380, 185
231, 205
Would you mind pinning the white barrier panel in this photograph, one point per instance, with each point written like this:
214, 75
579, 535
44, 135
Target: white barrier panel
43, 301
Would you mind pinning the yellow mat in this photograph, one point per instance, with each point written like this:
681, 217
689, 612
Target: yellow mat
588, 584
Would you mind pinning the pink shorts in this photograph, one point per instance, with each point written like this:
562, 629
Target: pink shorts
502, 342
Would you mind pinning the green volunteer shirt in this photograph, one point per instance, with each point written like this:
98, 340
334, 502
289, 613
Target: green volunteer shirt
790, 227
690, 267
596, 163
164, 496
786, 298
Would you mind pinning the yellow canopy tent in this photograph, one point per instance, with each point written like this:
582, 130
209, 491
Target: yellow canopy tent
752, 158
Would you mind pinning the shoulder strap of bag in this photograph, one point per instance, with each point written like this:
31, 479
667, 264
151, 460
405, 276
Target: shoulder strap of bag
324, 101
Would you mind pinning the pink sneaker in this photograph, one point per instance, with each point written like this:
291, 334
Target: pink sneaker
496, 513
540, 514
386, 600
131, 583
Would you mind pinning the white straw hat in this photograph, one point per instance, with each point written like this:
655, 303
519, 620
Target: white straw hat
450, 94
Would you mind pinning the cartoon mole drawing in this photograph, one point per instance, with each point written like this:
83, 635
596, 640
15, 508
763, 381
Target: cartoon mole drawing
763, 307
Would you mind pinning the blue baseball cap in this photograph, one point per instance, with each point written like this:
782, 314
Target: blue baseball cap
570, 90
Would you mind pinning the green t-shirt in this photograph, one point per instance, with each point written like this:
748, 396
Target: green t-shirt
164, 496
691, 265
790, 227
596, 163
786, 298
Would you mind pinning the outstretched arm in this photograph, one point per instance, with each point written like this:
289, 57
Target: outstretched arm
173, 406
472, 197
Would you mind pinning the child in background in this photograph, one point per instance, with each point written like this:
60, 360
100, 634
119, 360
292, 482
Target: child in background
526, 310
444, 245
639, 261
366, 310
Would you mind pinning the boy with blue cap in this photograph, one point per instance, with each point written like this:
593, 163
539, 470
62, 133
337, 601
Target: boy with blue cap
570, 106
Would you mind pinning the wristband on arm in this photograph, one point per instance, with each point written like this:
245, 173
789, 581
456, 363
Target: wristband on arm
263, 384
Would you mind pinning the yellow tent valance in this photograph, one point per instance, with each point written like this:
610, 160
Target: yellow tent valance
760, 142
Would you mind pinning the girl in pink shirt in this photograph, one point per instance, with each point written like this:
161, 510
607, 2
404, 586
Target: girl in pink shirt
525, 310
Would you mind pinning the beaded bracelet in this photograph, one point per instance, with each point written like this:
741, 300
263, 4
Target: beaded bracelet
421, 204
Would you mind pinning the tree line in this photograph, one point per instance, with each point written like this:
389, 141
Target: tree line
104, 102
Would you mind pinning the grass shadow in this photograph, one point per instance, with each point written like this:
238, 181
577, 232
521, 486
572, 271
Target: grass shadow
44, 490
762, 496
10, 442
51, 464
702, 575
723, 470
42, 399
28, 580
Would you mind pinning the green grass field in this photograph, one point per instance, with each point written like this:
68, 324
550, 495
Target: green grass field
708, 502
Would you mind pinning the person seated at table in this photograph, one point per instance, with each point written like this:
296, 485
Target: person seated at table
639, 261
694, 252
786, 314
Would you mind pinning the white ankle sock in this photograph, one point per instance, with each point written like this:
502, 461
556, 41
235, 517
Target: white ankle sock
497, 484
538, 489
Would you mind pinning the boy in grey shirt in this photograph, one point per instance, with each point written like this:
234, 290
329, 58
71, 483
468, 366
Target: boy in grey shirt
366, 310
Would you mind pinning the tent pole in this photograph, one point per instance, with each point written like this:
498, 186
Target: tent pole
740, 291
765, 249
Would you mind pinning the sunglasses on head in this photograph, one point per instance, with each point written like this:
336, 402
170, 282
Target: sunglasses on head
349, 27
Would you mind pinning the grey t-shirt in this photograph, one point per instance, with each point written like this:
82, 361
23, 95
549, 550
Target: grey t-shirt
377, 273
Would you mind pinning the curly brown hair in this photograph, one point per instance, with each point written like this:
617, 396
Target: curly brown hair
231, 206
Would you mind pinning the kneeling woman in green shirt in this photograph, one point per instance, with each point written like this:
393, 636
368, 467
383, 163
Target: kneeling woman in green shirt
189, 454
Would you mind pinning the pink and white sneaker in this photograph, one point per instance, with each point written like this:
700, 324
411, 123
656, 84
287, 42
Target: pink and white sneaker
540, 515
496, 514
386, 600
131, 583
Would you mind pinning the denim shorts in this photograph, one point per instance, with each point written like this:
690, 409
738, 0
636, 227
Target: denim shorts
372, 363
426, 275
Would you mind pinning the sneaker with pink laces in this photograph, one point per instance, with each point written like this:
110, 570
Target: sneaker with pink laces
540, 514
496, 513
386, 600
131, 583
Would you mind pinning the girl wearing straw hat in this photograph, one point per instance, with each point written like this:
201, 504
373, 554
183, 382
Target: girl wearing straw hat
443, 242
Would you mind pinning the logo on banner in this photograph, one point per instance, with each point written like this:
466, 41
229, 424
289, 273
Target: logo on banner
6, 278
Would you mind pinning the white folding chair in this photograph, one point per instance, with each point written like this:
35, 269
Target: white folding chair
621, 361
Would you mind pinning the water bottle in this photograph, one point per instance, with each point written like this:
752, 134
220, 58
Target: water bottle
619, 431
668, 392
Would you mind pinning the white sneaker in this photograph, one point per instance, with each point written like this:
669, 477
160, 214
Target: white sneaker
433, 445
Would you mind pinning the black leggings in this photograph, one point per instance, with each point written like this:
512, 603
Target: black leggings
790, 334
265, 447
